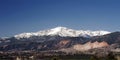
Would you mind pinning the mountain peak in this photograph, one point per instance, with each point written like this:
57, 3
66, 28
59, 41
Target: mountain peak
59, 28
63, 31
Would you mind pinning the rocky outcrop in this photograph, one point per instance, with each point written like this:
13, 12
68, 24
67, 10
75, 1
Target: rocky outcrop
90, 45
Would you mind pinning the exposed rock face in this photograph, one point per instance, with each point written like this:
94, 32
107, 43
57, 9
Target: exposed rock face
90, 45
62, 43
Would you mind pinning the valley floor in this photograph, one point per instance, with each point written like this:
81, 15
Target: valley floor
44, 56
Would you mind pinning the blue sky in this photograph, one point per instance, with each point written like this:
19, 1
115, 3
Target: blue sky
17, 16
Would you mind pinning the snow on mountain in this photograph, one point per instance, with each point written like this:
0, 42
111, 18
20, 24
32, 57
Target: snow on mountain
62, 31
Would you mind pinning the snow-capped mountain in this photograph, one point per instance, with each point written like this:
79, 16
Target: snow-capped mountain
62, 31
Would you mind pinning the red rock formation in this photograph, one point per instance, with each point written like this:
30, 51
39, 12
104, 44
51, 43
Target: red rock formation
62, 43
90, 45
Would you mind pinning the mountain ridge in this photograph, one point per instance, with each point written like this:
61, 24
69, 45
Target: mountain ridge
44, 43
63, 31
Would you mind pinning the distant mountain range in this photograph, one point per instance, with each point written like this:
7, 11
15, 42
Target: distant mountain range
63, 32
61, 39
